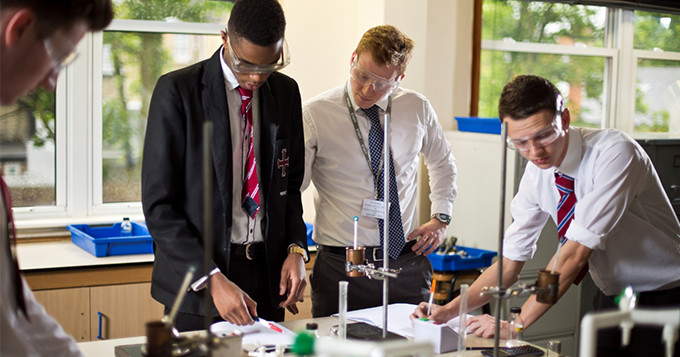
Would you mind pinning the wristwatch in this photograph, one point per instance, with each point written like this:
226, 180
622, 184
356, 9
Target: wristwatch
294, 248
442, 217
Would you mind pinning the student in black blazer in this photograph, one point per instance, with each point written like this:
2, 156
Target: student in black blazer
258, 260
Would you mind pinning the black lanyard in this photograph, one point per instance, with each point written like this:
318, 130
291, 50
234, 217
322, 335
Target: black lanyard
360, 137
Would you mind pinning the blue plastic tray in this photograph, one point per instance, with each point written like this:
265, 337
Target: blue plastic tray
479, 125
476, 258
104, 241
310, 230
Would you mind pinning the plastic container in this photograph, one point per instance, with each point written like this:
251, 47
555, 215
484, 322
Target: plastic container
126, 227
105, 241
479, 125
310, 230
475, 259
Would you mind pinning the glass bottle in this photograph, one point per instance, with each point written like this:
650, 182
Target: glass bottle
312, 329
126, 227
515, 328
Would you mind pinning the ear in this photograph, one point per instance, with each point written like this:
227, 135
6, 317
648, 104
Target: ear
354, 55
18, 26
566, 119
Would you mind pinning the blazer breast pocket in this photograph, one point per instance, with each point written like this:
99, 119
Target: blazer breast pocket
281, 167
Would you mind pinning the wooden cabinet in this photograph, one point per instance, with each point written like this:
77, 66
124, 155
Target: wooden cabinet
76, 296
71, 307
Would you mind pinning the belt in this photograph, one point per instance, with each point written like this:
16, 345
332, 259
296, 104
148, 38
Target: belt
374, 253
251, 251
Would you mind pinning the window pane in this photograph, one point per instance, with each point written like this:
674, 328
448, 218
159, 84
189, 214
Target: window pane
656, 31
657, 96
542, 22
579, 78
174, 11
132, 63
27, 149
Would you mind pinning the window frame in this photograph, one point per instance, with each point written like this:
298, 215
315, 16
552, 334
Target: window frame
79, 99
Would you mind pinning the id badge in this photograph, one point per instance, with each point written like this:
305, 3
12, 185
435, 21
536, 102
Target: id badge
373, 208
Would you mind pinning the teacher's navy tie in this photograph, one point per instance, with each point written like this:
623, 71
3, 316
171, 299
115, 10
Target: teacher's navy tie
565, 212
250, 193
375, 145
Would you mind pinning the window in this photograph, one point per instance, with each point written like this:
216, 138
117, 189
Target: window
90, 171
615, 68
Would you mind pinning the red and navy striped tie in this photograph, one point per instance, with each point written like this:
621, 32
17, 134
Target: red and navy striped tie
565, 212
250, 193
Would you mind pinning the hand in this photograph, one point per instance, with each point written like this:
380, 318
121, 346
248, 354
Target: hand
485, 326
431, 236
293, 282
233, 304
438, 314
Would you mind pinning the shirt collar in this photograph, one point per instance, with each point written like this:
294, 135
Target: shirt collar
382, 103
572, 159
229, 77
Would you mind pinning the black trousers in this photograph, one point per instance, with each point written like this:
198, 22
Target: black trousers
251, 277
411, 286
645, 340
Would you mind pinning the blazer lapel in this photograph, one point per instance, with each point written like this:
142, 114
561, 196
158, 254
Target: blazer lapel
214, 100
269, 127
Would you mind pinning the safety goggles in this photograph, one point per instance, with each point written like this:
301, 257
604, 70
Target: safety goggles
240, 65
58, 61
365, 77
543, 138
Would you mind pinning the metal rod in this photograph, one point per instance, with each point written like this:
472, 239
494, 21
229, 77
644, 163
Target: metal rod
207, 222
386, 216
501, 236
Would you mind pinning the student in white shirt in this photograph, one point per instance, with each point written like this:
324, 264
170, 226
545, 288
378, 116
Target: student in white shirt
345, 178
623, 226
37, 39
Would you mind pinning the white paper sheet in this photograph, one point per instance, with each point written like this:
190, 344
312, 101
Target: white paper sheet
256, 335
398, 320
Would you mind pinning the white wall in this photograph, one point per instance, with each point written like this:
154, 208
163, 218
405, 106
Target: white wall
323, 34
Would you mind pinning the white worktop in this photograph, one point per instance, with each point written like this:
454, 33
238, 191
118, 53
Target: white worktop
65, 254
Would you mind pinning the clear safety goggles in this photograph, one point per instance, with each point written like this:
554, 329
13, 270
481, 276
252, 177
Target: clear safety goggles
543, 138
58, 61
240, 65
365, 77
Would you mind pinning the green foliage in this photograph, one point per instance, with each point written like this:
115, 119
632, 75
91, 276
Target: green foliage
582, 77
650, 31
41, 102
139, 59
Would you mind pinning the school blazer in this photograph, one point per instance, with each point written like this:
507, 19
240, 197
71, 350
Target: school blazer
172, 176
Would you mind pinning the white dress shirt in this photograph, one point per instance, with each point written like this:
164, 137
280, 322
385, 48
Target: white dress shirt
243, 229
335, 162
42, 335
622, 213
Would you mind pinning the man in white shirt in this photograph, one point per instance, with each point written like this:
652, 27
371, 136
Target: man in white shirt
37, 39
343, 157
623, 226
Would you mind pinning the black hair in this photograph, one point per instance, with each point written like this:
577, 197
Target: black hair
259, 21
53, 15
527, 95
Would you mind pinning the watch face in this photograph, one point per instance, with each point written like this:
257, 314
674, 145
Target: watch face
444, 218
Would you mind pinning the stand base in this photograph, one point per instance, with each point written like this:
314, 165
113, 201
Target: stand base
365, 332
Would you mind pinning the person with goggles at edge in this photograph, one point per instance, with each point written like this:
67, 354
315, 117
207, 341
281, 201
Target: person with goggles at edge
260, 243
342, 126
623, 228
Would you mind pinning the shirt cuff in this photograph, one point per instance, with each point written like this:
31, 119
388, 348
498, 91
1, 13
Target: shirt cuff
203, 281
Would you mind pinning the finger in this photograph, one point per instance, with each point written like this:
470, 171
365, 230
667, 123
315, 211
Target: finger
283, 283
414, 234
431, 249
